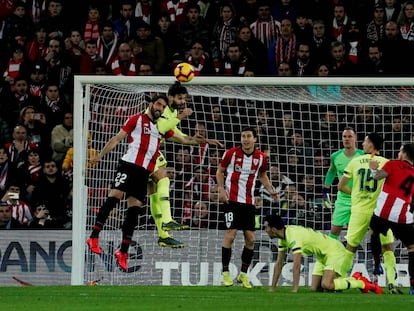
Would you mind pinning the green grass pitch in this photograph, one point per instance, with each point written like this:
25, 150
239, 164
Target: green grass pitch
214, 298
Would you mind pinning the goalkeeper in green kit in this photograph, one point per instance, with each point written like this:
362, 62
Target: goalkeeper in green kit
339, 160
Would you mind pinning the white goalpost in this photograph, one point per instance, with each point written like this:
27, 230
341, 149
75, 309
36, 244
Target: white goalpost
299, 123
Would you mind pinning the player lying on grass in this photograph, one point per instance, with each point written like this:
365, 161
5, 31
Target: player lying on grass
329, 272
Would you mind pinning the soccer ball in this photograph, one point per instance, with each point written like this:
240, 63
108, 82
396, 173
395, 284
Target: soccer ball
184, 72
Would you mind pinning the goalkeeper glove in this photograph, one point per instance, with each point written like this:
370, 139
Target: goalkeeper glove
326, 199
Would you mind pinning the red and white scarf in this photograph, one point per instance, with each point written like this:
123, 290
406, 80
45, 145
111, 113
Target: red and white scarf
116, 69
112, 51
199, 67
143, 11
228, 68
3, 175
353, 52
266, 31
176, 11
285, 50
34, 171
339, 30
37, 10
91, 31
36, 51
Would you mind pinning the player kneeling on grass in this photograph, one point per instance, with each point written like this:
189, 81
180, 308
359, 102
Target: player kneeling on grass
330, 270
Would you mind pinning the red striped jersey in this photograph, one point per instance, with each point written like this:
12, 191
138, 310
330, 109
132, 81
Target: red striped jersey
143, 141
394, 201
241, 173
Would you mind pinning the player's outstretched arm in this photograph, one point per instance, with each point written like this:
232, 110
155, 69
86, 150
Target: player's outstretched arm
111, 144
343, 185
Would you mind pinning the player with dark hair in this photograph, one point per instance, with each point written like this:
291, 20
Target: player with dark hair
175, 111
339, 160
242, 166
393, 210
329, 272
364, 194
133, 171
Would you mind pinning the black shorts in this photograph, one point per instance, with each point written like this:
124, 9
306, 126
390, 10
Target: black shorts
131, 179
239, 216
403, 232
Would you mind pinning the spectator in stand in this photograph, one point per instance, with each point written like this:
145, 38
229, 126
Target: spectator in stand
7, 171
339, 22
320, 42
19, 209
75, 48
107, 43
373, 66
145, 69
17, 149
392, 10
284, 70
124, 63
13, 102
200, 215
200, 59
354, 42
53, 22
234, 63
283, 49
37, 81
339, 62
53, 190
18, 27
5, 132
246, 11
284, 9
396, 51
301, 146
148, 48
265, 28
266, 131
42, 220
89, 60
58, 66
28, 174
375, 30
302, 65
406, 21
17, 67
168, 33
194, 27
302, 28
279, 182
127, 23
53, 105
224, 32
366, 120
326, 131
36, 49
6, 221
92, 24
254, 49
37, 131
62, 138
183, 164
200, 183
396, 134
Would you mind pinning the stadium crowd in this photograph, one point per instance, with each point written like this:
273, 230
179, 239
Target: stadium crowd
43, 44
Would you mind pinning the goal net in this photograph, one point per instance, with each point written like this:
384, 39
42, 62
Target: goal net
299, 124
